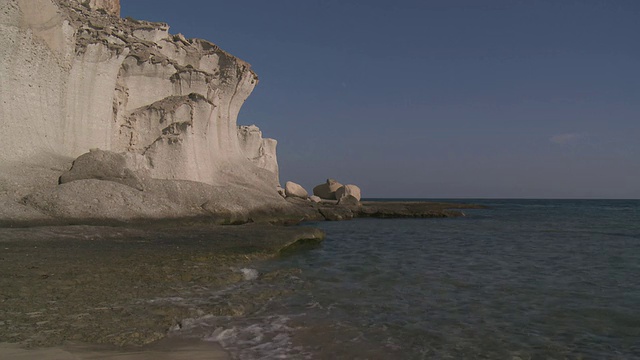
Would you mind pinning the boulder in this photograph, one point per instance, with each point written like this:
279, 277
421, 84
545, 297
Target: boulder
292, 189
92, 200
349, 200
281, 191
327, 190
315, 199
346, 190
103, 165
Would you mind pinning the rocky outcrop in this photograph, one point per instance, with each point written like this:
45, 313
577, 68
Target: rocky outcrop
349, 200
159, 112
333, 190
261, 151
76, 77
92, 200
292, 189
103, 165
327, 190
348, 190
103, 186
111, 7
350, 208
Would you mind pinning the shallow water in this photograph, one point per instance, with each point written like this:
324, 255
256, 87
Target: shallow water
525, 279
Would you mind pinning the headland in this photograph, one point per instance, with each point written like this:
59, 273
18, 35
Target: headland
120, 163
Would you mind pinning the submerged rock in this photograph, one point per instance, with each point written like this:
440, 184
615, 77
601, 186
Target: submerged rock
111, 281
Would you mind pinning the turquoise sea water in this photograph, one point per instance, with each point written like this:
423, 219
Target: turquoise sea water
523, 279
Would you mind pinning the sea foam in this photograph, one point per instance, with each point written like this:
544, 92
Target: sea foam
261, 337
249, 274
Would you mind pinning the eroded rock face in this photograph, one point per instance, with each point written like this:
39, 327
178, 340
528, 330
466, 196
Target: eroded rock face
75, 77
261, 151
161, 109
111, 7
107, 186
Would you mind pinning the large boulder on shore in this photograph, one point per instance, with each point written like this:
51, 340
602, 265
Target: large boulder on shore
292, 189
327, 190
92, 200
103, 165
349, 201
347, 190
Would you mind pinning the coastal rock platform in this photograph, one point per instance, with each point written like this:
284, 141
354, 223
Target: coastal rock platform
115, 285
335, 211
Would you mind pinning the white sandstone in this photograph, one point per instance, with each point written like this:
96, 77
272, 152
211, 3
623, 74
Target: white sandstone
172, 100
295, 190
347, 190
327, 190
76, 77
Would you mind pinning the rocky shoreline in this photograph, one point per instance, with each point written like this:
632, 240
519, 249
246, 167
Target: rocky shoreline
96, 284
303, 211
332, 211
88, 246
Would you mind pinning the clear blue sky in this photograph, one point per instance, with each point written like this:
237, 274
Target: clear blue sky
437, 98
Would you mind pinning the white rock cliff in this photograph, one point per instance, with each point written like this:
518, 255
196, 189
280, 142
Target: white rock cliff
76, 77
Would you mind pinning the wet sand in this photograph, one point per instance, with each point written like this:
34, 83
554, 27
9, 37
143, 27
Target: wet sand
98, 285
